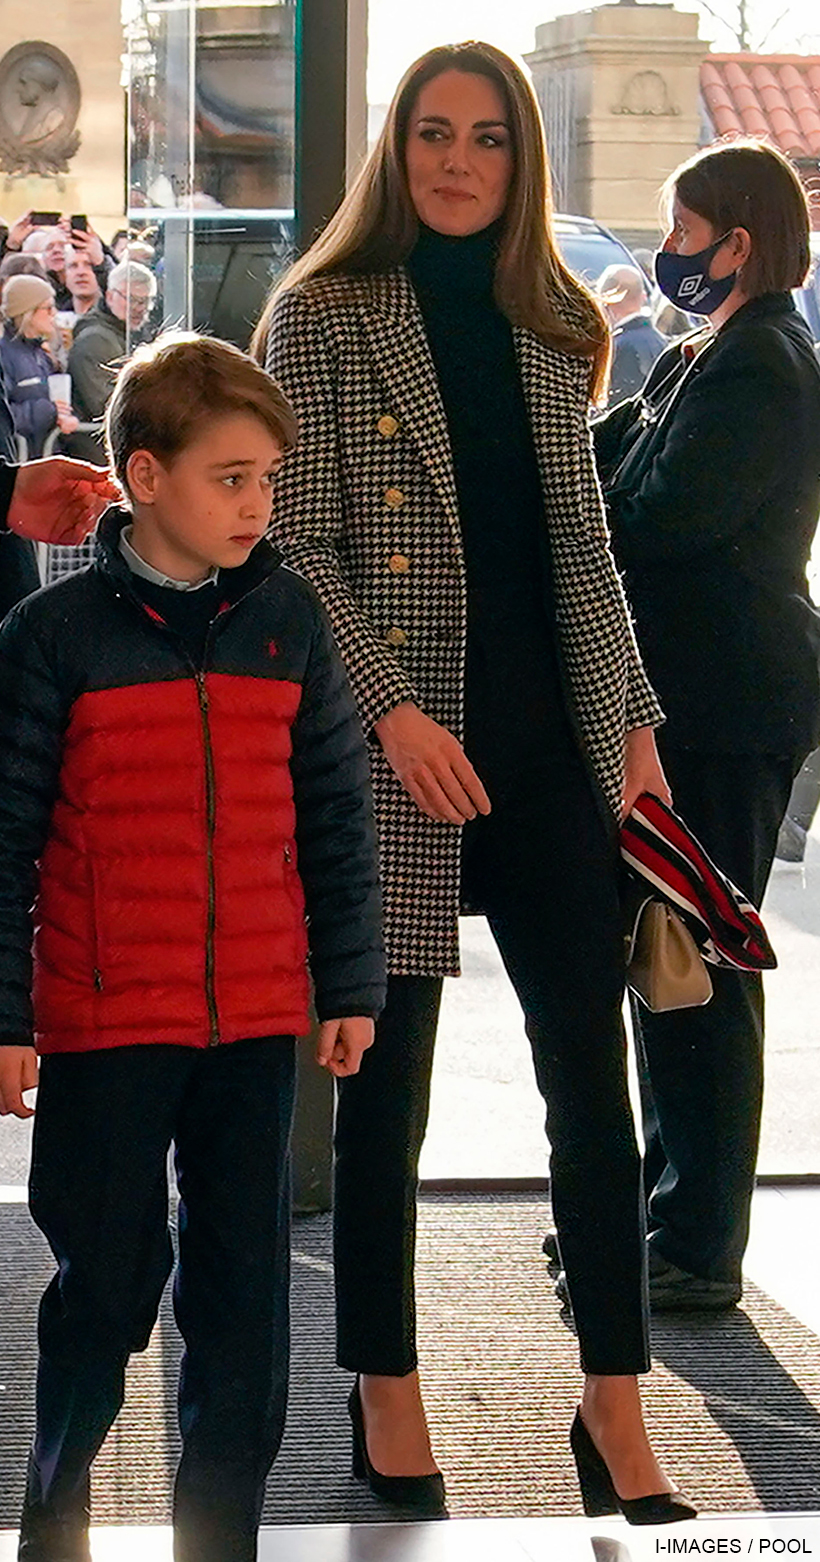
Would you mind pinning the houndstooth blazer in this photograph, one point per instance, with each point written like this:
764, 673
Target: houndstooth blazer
366, 508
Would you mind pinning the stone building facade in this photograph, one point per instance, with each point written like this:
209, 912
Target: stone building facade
619, 91
89, 37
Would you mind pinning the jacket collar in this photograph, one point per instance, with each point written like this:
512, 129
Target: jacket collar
234, 583
760, 309
101, 314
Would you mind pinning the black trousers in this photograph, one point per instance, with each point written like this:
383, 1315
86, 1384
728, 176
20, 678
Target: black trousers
544, 871
104, 1124
702, 1080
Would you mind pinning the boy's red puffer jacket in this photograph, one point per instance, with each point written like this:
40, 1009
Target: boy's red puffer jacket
181, 818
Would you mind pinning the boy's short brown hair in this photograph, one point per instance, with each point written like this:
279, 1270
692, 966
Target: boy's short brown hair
172, 387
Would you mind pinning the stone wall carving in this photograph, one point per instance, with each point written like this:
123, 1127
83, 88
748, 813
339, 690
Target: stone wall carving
39, 104
646, 93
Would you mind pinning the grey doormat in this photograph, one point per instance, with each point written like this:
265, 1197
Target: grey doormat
733, 1403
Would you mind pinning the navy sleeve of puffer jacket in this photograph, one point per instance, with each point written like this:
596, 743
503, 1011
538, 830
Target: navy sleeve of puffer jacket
32, 722
336, 839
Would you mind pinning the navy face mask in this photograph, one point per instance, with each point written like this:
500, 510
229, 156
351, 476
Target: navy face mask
685, 279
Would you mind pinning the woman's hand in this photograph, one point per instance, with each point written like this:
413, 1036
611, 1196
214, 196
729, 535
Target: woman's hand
431, 765
643, 771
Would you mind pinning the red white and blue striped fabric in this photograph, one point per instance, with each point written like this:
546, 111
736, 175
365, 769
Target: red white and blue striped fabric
656, 844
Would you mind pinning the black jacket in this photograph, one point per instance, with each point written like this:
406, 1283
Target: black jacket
712, 482
125, 771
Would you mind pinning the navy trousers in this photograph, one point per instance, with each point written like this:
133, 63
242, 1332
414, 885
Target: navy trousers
702, 1076
105, 1122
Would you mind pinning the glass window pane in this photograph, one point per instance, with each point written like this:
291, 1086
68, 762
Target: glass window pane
211, 152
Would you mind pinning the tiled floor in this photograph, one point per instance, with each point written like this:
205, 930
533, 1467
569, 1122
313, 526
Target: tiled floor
489, 1540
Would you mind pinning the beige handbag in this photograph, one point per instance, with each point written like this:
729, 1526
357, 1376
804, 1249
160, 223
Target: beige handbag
663, 965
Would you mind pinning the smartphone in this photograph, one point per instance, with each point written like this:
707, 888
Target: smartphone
45, 219
80, 222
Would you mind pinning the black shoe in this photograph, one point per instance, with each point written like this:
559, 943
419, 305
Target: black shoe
791, 841
600, 1498
561, 1289
673, 1290
52, 1540
552, 1252
424, 1493
54, 1532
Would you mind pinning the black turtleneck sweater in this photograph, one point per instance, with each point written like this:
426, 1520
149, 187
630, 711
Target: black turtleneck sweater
514, 709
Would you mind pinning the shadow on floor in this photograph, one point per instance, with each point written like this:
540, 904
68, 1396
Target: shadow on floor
752, 1399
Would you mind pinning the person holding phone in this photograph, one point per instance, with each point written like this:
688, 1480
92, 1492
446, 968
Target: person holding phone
49, 234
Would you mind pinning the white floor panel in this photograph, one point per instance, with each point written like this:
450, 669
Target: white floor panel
489, 1540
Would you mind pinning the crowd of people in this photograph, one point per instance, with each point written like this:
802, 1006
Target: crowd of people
486, 629
69, 305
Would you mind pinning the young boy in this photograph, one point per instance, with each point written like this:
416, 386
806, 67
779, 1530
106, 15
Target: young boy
176, 730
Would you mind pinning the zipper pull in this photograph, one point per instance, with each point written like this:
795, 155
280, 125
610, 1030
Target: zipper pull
203, 692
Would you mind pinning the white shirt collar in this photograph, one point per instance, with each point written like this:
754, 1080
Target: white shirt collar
139, 566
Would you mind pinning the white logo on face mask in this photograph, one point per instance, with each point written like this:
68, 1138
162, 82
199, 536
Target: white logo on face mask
690, 285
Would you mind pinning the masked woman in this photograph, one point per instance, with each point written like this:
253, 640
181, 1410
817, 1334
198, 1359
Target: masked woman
712, 483
443, 502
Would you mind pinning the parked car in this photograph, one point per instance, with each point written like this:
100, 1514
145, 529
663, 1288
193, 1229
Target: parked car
237, 254
588, 247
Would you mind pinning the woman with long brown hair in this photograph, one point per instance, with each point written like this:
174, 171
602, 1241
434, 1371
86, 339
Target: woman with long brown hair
443, 502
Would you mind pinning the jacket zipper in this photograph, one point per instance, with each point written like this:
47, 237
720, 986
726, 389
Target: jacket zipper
210, 818
210, 797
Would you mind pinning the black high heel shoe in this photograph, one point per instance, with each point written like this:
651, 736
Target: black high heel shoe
424, 1493
598, 1492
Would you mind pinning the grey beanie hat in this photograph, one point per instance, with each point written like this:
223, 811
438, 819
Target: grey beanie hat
23, 293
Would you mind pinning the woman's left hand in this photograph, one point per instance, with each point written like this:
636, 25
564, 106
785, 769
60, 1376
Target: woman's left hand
643, 771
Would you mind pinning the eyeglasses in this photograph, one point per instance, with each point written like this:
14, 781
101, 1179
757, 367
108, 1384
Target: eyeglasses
133, 298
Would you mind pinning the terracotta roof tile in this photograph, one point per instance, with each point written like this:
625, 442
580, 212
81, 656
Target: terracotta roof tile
772, 95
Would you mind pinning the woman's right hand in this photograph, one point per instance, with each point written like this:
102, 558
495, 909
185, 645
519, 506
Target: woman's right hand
431, 765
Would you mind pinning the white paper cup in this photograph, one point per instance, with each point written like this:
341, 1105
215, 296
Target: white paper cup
59, 388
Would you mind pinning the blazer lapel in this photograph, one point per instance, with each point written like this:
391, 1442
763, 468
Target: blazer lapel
556, 387
401, 358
